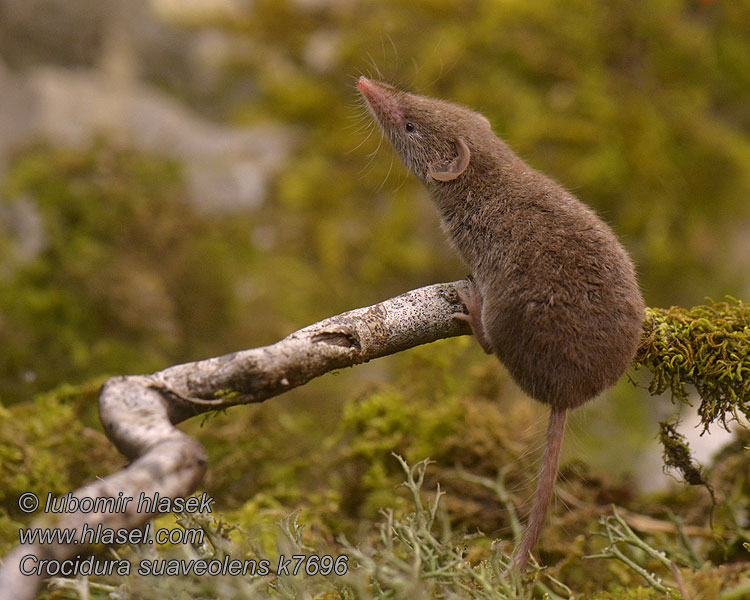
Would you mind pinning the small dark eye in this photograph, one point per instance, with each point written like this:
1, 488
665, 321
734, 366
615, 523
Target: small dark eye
410, 127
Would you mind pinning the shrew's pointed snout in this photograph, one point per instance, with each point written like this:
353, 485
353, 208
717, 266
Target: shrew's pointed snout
368, 89
383, 102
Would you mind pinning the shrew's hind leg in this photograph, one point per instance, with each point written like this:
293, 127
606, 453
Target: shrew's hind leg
472, 299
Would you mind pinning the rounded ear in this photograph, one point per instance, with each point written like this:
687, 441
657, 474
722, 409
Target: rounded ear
456, 166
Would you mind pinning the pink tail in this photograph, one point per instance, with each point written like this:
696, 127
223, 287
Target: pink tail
545, 486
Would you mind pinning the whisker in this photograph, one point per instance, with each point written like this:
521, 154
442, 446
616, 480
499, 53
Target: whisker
374, 152
385, 179
372, 128
393, 45
371, 155
402, 179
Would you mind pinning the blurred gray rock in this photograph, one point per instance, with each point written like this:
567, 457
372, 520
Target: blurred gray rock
228, 169
76, 70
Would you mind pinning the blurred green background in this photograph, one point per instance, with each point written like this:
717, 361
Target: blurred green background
185, 179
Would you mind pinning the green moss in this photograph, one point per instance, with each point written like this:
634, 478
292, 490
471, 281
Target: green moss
707, 346
677, 455
128, 279
9, 528
354, 474
41, 445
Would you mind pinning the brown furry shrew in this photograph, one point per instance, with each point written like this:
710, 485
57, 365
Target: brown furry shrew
554, 294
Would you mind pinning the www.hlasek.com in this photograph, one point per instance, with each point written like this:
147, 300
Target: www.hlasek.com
30, 564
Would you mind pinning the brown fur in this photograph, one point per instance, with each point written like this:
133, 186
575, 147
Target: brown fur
560, 305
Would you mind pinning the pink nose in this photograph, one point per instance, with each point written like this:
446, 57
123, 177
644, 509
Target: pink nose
365, 86
382, 101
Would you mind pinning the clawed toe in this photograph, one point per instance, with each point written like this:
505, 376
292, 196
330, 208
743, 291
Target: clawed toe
472, 299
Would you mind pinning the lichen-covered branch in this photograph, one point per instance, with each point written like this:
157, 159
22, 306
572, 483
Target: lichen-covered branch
139, 412
351, 338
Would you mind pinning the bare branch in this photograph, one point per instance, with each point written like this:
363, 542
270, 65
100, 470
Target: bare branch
139, 412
